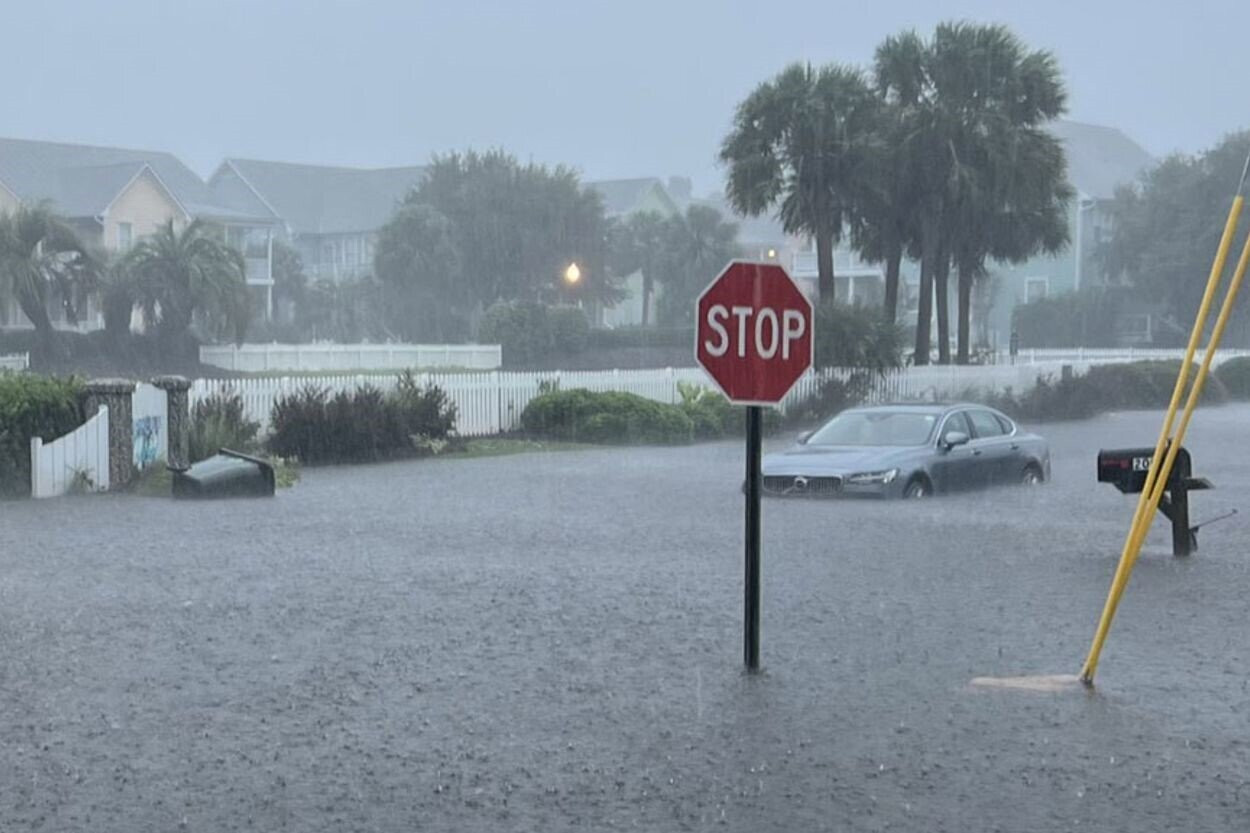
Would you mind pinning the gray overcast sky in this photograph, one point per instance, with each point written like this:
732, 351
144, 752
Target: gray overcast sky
614, 89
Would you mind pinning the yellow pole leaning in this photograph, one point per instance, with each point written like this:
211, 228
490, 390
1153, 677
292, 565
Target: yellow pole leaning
1142, 517
1191, 403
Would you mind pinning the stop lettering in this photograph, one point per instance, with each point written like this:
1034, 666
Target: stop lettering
754, 333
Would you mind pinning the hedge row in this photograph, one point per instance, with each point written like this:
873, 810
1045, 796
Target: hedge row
1108, 387
625, 418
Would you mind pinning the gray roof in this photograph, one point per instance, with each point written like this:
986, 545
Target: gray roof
1100, 159
82, 180
320, 199
622, 197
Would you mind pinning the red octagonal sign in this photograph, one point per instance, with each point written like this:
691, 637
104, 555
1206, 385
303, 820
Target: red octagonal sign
754, 332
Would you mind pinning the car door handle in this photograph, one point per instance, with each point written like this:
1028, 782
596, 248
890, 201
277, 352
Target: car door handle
1015, 446
976, 452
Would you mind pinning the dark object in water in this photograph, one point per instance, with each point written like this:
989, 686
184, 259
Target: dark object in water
226, 474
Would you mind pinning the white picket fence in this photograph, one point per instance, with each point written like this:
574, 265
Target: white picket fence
19, 361
491, 403
258, 358
1109, 355
150, 433
80, 459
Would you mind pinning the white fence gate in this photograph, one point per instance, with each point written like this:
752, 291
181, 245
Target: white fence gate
78, 460
150, 431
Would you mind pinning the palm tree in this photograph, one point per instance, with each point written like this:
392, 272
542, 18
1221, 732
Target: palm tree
176, 275
1019, 211
698, 245
639, 245
962, 97
41, 259
802, 144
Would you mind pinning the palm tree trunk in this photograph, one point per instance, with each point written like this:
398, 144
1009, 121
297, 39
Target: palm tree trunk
893, 260
940, 281
824, 265
929, 252
648, 284
965, 315
35, 308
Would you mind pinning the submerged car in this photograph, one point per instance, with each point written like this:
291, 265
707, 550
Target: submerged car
908, 451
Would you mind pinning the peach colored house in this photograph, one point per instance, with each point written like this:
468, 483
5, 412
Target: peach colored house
115, 197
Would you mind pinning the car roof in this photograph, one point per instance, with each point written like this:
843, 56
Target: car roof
925, 407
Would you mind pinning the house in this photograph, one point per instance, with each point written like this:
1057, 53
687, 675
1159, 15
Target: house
330, 215
115, 197
1100, 160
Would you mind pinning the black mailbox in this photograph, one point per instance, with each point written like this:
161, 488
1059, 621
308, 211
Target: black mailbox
1126, 469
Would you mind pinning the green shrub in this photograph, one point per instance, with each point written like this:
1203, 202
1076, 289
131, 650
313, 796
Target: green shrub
570, 330
626, 337
530, 332
32, 406
612, 417
832, 396
1108, 387
1072, 319
857, 337
362, 425
713, 417
218, 422
1234, 374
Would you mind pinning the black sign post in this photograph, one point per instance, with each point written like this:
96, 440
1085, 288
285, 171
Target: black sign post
751, 632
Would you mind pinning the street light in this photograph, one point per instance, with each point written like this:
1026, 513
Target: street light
573, 274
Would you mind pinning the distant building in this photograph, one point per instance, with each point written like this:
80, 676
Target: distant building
115, 197
1100, 160
330, 215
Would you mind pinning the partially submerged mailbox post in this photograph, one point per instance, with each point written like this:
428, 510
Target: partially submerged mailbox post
1126, 469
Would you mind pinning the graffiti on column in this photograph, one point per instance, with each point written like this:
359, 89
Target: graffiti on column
147, 436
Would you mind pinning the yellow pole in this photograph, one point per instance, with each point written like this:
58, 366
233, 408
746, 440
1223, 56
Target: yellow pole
1191, 403
1144, 514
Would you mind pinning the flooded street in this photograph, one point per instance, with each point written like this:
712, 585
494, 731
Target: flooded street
553, 641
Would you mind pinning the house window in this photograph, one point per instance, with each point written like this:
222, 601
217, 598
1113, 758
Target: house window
351, 251
125, 236
1035, 289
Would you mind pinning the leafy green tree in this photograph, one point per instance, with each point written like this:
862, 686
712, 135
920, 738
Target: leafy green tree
698, 246
518, 226
418, 266
178, 275
42, 260
1165, 229
965, 100
802, 145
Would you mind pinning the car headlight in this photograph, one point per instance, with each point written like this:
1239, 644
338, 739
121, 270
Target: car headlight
873, 477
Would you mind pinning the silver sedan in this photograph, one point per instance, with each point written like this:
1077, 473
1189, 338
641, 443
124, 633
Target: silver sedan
908, 451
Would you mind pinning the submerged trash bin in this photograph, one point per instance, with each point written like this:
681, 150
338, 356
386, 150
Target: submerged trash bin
226, 474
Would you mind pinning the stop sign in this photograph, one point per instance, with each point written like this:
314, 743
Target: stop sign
754, 332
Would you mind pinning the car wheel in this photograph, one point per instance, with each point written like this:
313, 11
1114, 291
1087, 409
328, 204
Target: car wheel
918, 488
1031, 476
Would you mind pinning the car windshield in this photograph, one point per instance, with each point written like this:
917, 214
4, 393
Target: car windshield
876, 428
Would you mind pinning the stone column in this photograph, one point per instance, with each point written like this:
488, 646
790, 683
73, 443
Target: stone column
115, 393
177, 419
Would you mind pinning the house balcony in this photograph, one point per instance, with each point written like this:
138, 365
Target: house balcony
846, 264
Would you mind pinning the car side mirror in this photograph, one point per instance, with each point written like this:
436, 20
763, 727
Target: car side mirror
805, 436
954, 438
